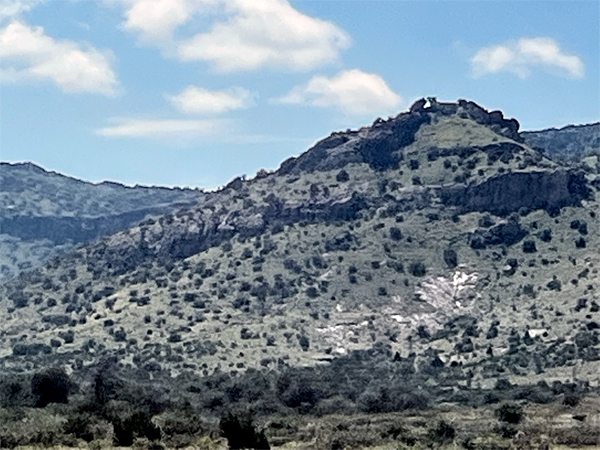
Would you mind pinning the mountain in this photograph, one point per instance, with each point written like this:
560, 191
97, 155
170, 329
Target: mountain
572, 143
43, 214
437, 243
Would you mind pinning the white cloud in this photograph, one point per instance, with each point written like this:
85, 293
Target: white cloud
27, 53
354, 92
198, 100
12, 8
522, 56
245, 35
156, 19
157, 128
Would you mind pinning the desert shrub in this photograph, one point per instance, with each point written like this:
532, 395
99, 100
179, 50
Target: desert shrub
67, 336
529, 247
374, 400
442, 433
14, 391
342, 176
138, 424
554, 285
536, 394
303, 342
545, 235
292, 266
510, 413
396, 265
80, 426
50, 386
506, 430
450, 258
417, 269
409, 400
241, 433
502, 385
312, 292
577, 437
571, 400
107, 384
492, 332
395, 233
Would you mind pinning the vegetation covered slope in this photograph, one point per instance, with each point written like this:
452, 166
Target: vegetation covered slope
43, 213
434, 255
385, 234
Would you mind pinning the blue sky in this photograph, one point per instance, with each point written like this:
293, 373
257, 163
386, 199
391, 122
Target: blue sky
196, 92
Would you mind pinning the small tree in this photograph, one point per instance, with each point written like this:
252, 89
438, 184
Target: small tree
442, 433
241, 433
50, 386
510, 413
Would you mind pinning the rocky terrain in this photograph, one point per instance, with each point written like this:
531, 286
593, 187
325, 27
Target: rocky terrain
44, 214
573, 143
438, 244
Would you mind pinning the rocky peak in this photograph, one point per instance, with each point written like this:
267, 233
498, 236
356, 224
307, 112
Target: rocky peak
381, 145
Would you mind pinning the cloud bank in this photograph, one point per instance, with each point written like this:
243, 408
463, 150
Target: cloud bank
352, 91
28, 54
525, 55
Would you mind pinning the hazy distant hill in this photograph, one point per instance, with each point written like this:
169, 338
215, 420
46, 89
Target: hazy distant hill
571, 143
45, 213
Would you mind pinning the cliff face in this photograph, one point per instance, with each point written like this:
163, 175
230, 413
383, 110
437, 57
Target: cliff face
507, 193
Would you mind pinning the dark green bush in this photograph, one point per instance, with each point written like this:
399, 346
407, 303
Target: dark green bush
450, 258
241, 433
50, 386
510, 413
417, 269
442, 433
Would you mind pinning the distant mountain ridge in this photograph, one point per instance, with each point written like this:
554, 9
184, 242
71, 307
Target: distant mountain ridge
570, 143
45, 213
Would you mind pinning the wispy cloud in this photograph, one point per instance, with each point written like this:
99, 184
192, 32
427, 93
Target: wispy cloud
524, 55
244, 35
26, 53
9, 9
354, 92
194, 99
157, 128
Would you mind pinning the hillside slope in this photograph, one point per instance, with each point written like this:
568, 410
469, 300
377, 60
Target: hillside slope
438, 234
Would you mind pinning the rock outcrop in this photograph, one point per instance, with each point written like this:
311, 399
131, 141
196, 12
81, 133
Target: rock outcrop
381, 145
510, 192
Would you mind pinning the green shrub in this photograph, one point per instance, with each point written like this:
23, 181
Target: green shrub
241, 433
442, 433
510, 413
50, 386
417, 269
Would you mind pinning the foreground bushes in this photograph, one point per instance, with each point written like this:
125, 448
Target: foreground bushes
50, 386
124, 405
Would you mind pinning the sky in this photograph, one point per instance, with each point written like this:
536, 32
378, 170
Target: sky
196, 92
